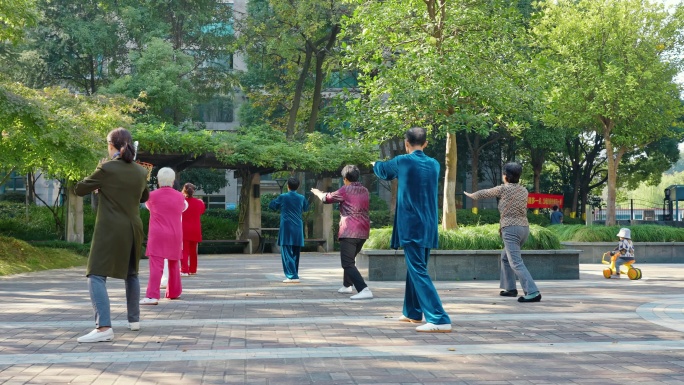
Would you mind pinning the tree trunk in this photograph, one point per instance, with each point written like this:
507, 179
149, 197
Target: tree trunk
449, 201
92, 76
537, 158
299, 90
318, 82
613, 160
475, 165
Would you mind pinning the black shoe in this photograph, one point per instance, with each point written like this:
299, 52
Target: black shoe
533, 299
509, 293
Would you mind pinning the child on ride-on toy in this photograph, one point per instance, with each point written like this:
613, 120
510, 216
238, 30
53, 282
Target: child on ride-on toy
625, 251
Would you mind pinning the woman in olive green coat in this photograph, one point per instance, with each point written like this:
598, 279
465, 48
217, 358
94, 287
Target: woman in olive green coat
115, 250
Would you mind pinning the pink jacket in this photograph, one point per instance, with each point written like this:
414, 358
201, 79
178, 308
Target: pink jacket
165, 234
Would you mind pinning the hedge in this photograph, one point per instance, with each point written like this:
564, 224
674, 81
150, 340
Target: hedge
483, 237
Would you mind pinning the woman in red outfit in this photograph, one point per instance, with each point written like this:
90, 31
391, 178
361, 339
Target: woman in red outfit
192, 230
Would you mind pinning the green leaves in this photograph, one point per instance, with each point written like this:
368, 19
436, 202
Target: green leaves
256, 147
55, 131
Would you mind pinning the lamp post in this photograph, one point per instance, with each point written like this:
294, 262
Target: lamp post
281, 183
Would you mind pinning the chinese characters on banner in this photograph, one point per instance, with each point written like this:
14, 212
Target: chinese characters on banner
541, 201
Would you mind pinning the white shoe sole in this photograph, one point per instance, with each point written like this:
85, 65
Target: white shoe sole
431, 328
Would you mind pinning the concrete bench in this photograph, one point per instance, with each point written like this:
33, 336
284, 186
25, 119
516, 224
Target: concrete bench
320, 244
468, 265
247, 243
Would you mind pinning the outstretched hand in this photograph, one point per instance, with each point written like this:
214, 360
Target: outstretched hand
320, 194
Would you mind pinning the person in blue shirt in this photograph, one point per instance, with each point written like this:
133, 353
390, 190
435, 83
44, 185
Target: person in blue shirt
415, 228
556, 216
291, 234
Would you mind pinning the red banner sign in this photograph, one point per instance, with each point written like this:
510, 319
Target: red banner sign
541, 201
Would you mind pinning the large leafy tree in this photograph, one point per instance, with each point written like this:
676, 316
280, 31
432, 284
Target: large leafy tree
15, 15
447, 65
611, 66
76, 44
191, 43
53, 131
288, 47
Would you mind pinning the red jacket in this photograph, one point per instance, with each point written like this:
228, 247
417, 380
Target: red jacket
192, 227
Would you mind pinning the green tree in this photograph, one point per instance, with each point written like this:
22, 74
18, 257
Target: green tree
446, 65
15, 16
207, 180
76, 44
611, 66
288, 45
160, 80
55, 132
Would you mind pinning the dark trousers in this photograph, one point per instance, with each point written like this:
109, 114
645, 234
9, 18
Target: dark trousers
349, 247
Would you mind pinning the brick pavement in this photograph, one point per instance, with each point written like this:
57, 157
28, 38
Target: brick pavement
236, 323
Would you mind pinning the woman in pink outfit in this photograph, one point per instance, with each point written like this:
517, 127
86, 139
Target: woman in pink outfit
192, 230
164, 238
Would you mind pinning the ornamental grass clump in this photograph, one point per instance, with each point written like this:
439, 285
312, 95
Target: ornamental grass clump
484, 237
600, 233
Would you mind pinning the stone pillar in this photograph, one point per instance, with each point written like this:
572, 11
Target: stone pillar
323, 219
74, 217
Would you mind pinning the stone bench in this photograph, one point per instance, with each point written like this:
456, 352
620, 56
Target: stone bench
468, 265
246, 243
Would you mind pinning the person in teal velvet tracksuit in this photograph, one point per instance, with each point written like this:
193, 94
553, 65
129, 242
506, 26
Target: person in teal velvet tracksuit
415, 228
291, 234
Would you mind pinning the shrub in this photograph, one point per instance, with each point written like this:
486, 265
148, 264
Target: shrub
13, 197
600, 233
39, 226
377, 204
485, 237
214, 227
78, 248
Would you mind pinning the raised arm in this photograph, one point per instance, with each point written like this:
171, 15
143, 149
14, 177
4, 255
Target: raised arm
386, 170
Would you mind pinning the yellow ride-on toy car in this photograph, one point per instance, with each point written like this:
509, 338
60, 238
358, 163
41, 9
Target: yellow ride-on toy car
626, 268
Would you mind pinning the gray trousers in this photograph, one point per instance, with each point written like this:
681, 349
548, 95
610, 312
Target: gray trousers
97, 286
512, 265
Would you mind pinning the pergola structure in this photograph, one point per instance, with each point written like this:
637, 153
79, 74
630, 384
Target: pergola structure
323, 225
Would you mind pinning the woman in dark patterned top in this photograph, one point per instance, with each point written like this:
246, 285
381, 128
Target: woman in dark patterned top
514, 230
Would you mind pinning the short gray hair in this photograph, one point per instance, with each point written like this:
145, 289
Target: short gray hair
166, 177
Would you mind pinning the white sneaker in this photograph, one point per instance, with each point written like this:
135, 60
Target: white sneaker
345, 290
185, 275
96, 336
134, 326
432, 328
288, 280
149, 301
404, 318
163, 285
364, 294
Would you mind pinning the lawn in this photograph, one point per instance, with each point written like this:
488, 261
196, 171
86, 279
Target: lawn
20, 257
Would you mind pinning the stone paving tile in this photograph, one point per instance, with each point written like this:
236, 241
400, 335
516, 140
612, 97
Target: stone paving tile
238, 324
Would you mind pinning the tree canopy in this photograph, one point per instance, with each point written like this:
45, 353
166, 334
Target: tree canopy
610, 65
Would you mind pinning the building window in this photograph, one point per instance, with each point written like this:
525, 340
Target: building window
218, 109
16, 182
214, 201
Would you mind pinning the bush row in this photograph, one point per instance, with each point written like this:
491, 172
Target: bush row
483, 237
600, 233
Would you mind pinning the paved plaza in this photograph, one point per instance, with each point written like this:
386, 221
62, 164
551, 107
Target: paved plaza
237, 323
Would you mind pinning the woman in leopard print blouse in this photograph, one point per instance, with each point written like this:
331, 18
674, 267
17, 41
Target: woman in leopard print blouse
514, 230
